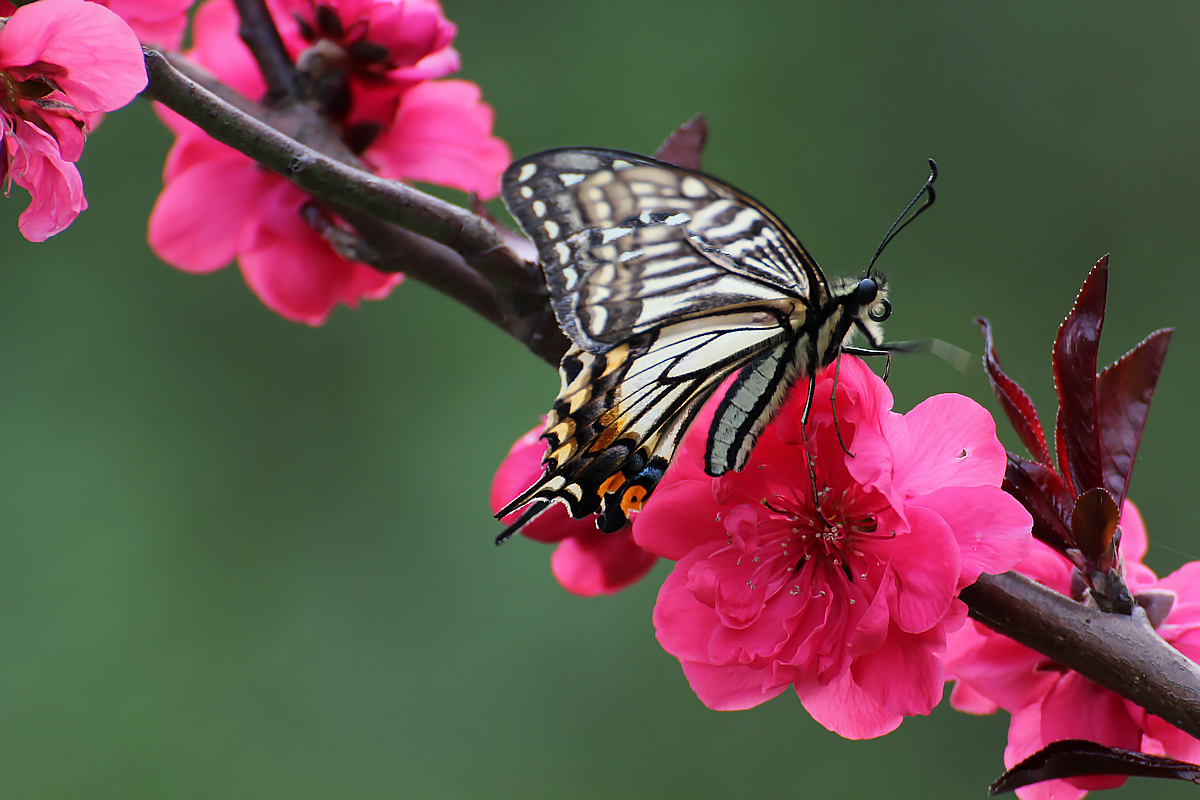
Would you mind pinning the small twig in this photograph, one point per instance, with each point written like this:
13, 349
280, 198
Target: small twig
259, 33
1117, 651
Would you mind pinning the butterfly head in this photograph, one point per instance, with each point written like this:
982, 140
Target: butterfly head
865, 306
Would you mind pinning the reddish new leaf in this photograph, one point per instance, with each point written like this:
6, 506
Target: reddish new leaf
1045, 497
1094, 523
1076, 436
1123, 402
1014, 401
685, 145
1075, 758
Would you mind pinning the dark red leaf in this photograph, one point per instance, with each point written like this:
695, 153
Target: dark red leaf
685, 145
1014, 401
1074, 758
1044, 496
1093, 524
1123, 399
1076, 435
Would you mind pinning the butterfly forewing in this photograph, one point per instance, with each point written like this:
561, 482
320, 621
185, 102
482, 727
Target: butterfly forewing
628, 243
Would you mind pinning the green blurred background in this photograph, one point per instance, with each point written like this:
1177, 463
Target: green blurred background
248, 559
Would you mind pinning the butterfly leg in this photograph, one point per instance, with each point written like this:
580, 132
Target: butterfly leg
837, 371
808, 456
865, 352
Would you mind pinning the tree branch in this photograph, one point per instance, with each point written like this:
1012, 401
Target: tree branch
1119, 652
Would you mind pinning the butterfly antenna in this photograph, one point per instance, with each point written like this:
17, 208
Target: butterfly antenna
901, 223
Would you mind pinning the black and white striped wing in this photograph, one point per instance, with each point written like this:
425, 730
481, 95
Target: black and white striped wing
630, 244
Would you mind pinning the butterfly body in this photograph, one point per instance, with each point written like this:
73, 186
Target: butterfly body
667, 282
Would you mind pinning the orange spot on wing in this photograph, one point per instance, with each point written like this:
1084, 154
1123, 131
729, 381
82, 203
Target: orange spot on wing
634, 497
611, 485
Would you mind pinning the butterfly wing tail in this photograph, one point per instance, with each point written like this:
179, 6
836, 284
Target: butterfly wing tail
521, 521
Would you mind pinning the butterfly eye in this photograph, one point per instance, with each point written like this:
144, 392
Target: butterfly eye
865, 292
880, 311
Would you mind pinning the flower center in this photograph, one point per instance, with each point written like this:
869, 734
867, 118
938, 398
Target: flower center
13, 91
8, 93
827, 531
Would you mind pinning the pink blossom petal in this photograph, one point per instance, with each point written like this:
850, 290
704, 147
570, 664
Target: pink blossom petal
1006, 673
992, 528
1076, 708
732, 688
1165, 739
1185, 618
367, 283
947, 440
680, 620
1133, 532
191, 232
54, 184
1047, 567
969, 701
443, 134
156, 22
292, 269
408, 32
676, 513
177, 124
65, 130
844, 708
905, 675
436, 65
101, 59
594, 563
1025, 739
927, 558
871, 631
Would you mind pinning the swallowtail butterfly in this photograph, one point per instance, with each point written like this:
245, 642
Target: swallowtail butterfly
667, 281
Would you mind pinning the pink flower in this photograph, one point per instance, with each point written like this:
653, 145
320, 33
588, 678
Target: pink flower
400, 39
156, 22
1049, 702
62, 62
370, 51
586, 561
257, 219
847, 596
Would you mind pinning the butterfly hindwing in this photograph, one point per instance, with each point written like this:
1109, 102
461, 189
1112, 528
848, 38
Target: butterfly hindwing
623, 410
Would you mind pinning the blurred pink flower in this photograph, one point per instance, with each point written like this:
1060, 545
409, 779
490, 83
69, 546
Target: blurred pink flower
847, 596
292, 269
160, 23
1049, 702
62, 63
586, 561
399, 39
